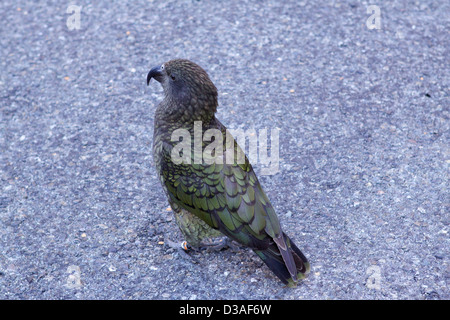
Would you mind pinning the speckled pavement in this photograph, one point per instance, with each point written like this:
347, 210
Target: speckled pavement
363, 112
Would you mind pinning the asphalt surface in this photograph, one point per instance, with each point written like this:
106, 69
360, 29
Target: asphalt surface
363, 186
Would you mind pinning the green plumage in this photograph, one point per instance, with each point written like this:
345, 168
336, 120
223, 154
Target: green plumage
216, 198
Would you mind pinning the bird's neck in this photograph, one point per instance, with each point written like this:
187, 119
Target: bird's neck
171, 111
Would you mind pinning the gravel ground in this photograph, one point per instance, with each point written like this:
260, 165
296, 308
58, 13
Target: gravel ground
363, 185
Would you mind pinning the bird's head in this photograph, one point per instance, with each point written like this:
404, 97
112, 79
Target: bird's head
186, 85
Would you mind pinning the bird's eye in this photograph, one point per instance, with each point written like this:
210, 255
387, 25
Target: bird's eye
173, 77
162, 67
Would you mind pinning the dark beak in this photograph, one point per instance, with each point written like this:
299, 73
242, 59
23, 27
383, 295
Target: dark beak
156, 73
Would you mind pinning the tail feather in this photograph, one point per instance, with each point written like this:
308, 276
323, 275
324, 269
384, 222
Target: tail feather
274, 259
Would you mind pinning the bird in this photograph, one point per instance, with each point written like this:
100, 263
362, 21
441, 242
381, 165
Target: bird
220, 198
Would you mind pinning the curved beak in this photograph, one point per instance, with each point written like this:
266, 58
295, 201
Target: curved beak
155, 72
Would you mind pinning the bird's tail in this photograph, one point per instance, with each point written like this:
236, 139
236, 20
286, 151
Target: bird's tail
278, 260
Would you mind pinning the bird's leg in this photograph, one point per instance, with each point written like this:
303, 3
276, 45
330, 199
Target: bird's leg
182, 248
177, 245
215, 244
218, 244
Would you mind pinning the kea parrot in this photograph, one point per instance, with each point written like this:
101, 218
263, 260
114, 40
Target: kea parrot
212, 197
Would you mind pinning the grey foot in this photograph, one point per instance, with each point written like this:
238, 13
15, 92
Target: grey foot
218, 244
215, 244
182, 248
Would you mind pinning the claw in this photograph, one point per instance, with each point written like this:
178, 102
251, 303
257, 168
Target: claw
185, 246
